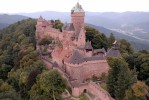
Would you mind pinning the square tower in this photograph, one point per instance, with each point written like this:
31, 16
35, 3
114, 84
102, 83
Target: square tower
77, 17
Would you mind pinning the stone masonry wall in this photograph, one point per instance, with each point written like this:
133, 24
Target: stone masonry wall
87, 70
91, 87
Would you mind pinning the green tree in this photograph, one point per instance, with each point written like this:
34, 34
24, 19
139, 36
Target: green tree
147, 81
49, 85
125, 47
111, 39
4, 69
18, 56
141, 62
133, 77
118, 78
45, 41
122, 81
7, 92
99, 40
138, 91
58, 24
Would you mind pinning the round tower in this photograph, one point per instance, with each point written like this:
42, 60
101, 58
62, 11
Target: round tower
77, 17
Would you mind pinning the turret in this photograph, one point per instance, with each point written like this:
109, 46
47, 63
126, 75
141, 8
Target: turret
89, 49
40, 21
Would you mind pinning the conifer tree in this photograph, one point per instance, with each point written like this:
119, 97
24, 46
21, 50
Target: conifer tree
118, 78
112, 77
122, 82
111, 39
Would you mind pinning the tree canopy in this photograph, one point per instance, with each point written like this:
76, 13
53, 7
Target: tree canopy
99, 40
21, 69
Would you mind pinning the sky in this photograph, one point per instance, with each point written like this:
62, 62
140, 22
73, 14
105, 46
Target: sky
27, 6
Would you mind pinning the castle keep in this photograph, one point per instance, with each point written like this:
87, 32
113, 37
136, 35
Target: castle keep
76, 57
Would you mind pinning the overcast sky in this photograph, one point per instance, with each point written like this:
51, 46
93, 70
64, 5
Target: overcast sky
19, 6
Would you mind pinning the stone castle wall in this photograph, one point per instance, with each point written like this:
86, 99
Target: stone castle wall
86, 70
51, 32
92, 88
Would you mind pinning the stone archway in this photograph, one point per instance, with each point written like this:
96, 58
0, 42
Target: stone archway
85, 91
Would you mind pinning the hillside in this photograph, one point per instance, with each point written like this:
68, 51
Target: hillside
6, 19
108, 31
3, 25
20, 64
137, 44
63, 16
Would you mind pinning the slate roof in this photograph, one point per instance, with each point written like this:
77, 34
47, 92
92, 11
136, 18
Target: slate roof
88, 46
100, 50
94, 58
76, 58
113, 52
68, 27
79, 48
77, 8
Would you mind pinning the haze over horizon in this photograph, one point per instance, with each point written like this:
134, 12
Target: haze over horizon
28, 6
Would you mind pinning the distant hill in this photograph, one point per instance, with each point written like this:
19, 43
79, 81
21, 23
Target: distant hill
63, 16
135, 24
6, 19
3, 25
136, 43
105, 19
107, 32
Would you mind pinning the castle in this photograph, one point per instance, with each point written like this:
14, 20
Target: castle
76, 57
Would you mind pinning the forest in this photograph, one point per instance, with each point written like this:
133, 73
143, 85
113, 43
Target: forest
23, 75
